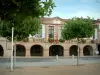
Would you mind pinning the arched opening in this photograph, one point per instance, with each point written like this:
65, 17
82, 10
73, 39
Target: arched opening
88, 50
20, 50
99, 49
73, 50
36, 50
56, 50
1, 51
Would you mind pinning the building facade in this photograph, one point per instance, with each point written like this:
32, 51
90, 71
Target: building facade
52, 27
47, 43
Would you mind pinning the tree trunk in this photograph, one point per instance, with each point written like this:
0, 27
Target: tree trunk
15, 54
78, 52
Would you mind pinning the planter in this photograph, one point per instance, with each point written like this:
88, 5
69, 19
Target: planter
25, 40
61, 40
50, 40
93, 41
83, 41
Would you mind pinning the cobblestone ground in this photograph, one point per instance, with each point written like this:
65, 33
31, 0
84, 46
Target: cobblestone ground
87, 69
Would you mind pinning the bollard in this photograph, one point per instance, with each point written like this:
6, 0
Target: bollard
72, 56
57, 57
96, 52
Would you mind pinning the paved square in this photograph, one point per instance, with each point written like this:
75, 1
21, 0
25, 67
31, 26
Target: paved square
87, 69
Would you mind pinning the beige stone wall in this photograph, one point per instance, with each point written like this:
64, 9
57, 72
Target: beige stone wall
7, 45
3, 43
98, 36
52, 22
46, 46
47, 32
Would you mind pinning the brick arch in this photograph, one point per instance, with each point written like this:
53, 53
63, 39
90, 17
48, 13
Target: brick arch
87, 50
56, 50
99, 49
1, 50
20, 50
36, 50
73, 50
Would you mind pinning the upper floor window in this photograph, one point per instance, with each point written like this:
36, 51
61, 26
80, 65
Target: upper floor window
51, 31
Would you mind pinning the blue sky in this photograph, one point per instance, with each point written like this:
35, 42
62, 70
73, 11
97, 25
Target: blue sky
71, 8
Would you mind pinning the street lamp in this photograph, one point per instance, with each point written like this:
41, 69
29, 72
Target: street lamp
12, 49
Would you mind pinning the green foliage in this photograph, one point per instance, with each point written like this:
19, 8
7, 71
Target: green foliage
31, 25
51, 40
78, 28
47, 7
24, 8
23, 15
81, 40
61, 40
22, 29
25, 39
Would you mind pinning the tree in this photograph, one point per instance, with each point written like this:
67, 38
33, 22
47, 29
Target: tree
24, 8
23, 15
22, 30
78, 28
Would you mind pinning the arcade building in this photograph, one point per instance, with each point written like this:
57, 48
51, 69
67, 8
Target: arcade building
48, 43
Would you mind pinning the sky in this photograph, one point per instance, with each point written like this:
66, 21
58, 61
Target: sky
76, 8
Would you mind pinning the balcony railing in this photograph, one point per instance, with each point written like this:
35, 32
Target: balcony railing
42, 40
37, 40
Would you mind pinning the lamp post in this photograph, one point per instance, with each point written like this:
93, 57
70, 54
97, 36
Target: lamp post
78, 56
78, 52
12, 49
14, 59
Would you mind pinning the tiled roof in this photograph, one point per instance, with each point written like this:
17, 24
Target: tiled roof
53, 18
50, 19
97, 21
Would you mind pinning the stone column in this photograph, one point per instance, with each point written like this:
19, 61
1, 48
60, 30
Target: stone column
93, 52
66, 53
27, 53
46, 32
46, 53
7, 53
81, 52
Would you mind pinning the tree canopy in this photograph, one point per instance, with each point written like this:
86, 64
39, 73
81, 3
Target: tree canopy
34, 8
78, 28
21, 30
23, 15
